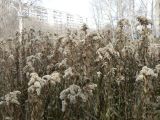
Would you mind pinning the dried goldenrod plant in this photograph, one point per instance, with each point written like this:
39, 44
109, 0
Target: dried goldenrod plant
81, 75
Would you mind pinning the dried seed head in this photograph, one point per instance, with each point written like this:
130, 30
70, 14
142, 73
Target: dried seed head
35, 84
123, 22
11, 98
68, 72
145, 72
158, 68
55, 76
143, 20
74, 93
84, 27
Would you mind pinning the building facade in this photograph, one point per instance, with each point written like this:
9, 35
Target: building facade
59, 19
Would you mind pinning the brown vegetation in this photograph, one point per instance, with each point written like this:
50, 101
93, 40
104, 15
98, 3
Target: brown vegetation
80, 76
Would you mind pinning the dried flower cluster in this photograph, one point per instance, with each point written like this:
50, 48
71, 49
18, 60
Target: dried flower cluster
145, 72
68, 72
123, 22
53, 78
36, 83
10, 98
106, 52
158, 68
75, 93
143, 20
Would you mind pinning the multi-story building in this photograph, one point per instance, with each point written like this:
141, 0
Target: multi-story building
37, 12
59, 19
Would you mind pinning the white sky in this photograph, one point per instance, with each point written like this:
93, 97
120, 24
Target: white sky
79, 7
